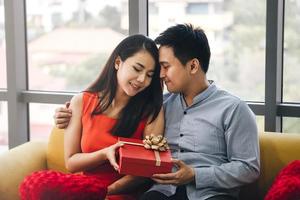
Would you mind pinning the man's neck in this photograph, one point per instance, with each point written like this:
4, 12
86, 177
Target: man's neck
194, 90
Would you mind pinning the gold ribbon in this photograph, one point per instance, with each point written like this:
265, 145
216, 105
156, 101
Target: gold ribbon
156, 153
157, 158
133, 143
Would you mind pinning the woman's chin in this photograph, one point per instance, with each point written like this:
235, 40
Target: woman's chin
131, 93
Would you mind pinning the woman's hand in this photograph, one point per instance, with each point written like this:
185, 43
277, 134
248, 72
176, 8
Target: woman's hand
110, 154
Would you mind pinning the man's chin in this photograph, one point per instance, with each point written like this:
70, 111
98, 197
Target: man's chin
171, 90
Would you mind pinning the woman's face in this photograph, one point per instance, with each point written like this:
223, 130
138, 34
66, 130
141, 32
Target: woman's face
135, 73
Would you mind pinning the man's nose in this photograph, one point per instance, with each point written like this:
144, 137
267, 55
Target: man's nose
162, 73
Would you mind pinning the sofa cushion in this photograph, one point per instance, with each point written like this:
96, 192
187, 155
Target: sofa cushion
50, 185
287, 184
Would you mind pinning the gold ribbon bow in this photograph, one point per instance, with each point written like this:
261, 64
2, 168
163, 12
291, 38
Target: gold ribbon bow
156, 143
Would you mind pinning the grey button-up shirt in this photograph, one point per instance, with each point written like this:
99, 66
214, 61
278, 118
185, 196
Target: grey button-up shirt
217, 136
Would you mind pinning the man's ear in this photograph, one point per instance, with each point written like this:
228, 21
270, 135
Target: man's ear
118, 62
194, 65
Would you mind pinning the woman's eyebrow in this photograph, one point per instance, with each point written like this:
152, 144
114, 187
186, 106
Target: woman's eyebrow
141, 65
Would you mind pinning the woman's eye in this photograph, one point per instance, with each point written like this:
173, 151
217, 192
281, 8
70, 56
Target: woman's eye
150, 75
136, 69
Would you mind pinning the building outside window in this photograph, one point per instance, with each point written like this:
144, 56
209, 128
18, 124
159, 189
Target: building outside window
69, 42
238, 52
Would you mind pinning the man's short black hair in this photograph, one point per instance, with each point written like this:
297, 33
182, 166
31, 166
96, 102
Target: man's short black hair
187, 43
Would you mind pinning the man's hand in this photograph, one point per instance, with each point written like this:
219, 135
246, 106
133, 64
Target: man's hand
62, 116
184, 175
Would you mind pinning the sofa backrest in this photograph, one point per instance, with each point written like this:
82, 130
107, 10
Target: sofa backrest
276, 151
55, 151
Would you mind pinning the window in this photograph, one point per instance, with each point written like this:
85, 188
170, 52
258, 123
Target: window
197, 8
153, 9
69, 42
41, 120
3, 83
260, 123
290, 125
291, 72
236, 33
3, 126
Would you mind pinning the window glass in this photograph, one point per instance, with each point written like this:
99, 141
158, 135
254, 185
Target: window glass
69, 41
41, 120
291, 72
3, 126
197, 8
260, 121
3, 83
290, 125
236, 33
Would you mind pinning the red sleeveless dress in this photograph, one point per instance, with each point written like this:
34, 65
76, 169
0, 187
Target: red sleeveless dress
90, 184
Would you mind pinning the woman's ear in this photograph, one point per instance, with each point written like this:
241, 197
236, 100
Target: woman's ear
118, 62
194, 65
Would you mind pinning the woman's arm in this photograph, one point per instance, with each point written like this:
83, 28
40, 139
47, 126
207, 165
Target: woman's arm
74, 158
157, 127
129, 182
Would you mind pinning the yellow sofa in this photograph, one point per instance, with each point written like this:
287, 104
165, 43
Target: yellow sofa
276, 151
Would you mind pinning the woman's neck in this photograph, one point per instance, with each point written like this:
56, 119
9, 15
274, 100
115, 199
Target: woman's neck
121, 99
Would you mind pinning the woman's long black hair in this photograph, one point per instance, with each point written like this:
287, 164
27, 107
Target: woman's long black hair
146, 103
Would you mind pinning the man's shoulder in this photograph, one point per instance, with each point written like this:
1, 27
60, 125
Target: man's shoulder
231, 101
169, 97
227, 101
228, 97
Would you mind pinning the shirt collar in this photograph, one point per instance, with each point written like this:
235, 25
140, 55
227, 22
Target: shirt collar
202, 95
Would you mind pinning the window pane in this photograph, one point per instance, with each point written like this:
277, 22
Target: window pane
41, 120
291, 72
2, 47
260, 121
3, 126
236, 32
69, 41
290, 125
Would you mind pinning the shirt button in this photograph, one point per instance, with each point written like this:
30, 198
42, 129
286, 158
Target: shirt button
181, 135
184, 112
181, 150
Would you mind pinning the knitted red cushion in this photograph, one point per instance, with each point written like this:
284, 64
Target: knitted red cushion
49, 185
287, 184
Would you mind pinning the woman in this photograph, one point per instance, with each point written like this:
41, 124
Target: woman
126, 101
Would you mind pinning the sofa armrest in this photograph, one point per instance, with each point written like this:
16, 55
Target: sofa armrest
17, 163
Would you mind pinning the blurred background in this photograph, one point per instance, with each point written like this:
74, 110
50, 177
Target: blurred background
68, 42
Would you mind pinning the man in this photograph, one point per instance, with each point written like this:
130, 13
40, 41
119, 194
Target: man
212, 134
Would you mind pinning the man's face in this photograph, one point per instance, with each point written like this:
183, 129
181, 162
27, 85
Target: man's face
174, 74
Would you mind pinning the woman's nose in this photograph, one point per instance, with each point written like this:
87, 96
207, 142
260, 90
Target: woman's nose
141, 78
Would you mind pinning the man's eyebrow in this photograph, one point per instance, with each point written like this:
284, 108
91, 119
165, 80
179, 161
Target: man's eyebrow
163, 62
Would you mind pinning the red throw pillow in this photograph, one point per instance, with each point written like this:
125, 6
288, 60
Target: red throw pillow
52, 185
287, 183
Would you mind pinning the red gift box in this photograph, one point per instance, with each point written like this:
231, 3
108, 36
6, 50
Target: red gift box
136, 160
